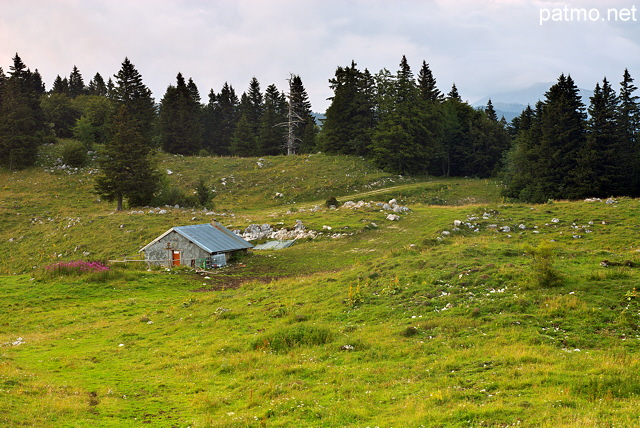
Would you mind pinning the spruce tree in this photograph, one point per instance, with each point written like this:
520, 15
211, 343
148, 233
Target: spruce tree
38, 84
76, 83
180, 122
244, 141
406, 136
60, 86
598, 170
453, 93
97, 86
220, 119
521, 171
350, 117
208, 121
21, 120
256, 103
490, 111
271, 133
548, 154
563, 134
628, 119
130, 91
126, 170
427, 85
194, 93
245, 138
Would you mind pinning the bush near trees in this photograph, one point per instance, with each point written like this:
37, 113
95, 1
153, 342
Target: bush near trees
559, 148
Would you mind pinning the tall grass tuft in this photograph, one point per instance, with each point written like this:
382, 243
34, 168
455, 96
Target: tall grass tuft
616, 384
545, 273
293, 337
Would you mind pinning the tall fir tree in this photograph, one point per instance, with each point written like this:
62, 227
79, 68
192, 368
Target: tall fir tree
598, 170
490, 111
563, 135
180, 124
548, 154
22, 127
97, 86
194, 93
350, 118
453, 94
427, 85
404, 139
126, 170
628, 119
245, 140
130, 91
271, 133
220, 120
76, 83
521, 172
60, 86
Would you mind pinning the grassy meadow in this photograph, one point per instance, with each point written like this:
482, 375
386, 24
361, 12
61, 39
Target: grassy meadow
470, 311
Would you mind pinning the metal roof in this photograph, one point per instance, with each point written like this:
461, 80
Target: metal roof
213, 238
275, 245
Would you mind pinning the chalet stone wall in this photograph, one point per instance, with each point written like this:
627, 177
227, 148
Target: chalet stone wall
159, 254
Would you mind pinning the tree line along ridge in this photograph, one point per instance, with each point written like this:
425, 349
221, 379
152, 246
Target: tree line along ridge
558, 149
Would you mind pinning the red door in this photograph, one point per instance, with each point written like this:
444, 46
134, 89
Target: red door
175, 257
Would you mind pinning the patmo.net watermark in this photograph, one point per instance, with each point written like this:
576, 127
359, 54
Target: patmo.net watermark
581, 14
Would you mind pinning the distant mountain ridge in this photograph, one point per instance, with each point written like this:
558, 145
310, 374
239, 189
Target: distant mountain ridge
511, 103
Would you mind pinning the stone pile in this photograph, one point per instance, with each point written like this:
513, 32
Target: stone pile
392, 205
255, 232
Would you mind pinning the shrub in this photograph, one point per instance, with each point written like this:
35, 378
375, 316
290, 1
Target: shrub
409, 331
332, 201
204, 193
172, 196
74, 154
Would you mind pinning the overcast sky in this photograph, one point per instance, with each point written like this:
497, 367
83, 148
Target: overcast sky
483, 46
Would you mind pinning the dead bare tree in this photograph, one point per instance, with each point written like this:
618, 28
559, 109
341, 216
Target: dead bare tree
293, 121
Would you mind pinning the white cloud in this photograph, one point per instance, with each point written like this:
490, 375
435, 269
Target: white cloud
483, 46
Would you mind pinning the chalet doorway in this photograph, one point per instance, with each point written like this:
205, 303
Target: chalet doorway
175, 257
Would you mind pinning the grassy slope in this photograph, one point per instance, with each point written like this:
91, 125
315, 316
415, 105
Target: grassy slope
398, 327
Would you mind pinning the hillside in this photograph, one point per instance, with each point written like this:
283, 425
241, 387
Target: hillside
468, 311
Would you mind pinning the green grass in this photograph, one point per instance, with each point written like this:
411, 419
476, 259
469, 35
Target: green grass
410, 323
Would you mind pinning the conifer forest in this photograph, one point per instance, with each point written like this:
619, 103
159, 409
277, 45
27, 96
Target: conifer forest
564, 147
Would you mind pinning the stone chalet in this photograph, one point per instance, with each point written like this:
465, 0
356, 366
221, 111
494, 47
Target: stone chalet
201, 245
